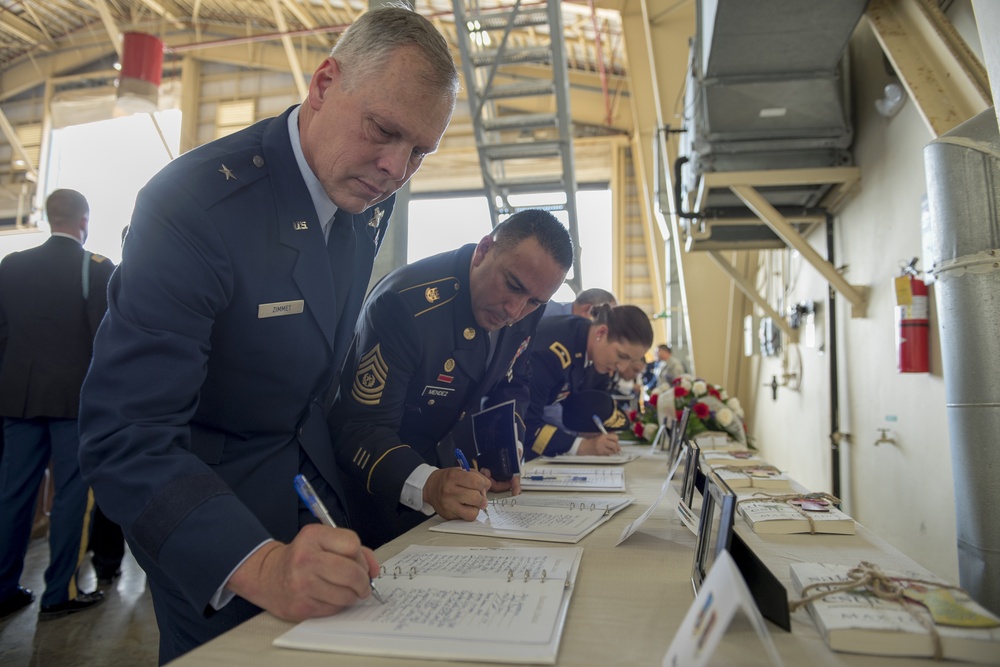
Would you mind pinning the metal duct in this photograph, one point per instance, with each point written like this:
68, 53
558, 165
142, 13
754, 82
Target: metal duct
767, 89
963, 189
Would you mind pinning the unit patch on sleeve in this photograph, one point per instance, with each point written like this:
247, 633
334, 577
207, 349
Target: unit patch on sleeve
369, 382
562, 353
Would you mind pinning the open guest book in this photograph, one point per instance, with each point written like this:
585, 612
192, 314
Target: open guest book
805, 514
611, 459
857, 621
470, 604
573, 479
541, 517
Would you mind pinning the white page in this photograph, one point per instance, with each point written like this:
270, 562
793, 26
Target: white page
576, 479
539, 517
611, 459
461, 603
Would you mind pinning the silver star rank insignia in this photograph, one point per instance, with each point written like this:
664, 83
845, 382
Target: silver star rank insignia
376, 218
227, 172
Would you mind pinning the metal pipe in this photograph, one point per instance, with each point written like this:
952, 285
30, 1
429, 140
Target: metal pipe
963, 190
831, 337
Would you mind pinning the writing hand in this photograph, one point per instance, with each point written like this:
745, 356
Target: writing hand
321, 572
456, 494
604, 444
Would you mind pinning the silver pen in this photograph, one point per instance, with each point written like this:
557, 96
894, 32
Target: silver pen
318, 509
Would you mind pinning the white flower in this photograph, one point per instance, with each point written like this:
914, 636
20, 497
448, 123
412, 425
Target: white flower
723, 394
649, 431
699, 388
686, 383
724, 417
733, 403
738, 412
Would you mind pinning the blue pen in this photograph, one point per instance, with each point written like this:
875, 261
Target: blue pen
600, 425
318, 509
464, 462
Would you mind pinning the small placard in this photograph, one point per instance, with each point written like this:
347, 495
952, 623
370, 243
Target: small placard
721, 595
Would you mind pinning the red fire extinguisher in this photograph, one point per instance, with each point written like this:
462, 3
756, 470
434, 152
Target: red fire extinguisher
912, 323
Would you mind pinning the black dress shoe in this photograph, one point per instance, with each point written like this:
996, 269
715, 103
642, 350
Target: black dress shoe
82, 602
21, 598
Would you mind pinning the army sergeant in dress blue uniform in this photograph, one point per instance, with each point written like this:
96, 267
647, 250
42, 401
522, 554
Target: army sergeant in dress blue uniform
438, 339
564, 349
228, 323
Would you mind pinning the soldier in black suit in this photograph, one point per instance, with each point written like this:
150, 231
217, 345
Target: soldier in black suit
52, 299
437, 341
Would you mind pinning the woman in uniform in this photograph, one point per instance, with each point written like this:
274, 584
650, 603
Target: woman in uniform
565, 348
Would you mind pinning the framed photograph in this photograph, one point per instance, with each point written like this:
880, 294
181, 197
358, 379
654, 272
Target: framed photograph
692, 454
715, 528
677, 436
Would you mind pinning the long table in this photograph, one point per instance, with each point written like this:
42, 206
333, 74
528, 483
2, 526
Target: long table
629, 600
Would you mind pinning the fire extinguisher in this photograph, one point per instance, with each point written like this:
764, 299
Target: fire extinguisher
912, 323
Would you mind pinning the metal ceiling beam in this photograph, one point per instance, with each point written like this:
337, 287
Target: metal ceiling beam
11, 134
856, 295
941, 74
21, 29
109, 24
293, 58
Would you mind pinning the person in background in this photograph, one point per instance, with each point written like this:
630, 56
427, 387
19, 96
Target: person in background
582, 304
243, 273
665, 368
563, 350
52, 298
439, 340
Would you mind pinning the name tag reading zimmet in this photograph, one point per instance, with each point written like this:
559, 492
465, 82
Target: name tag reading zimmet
280, 308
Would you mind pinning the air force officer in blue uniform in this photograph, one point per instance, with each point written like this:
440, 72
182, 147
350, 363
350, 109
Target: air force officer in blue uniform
229, 320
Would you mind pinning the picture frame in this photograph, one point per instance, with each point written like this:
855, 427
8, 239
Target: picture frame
677, 436
715, 528
692, 456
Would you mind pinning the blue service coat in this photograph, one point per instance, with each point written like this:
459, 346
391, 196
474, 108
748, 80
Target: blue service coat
214, 368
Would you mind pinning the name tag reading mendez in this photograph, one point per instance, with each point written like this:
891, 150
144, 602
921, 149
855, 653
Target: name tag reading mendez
280, 308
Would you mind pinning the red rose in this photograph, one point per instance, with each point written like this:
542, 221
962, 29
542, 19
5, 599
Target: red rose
653, 399
632, 415
679, 413
701, 410
680, 392
637, 429
715, 392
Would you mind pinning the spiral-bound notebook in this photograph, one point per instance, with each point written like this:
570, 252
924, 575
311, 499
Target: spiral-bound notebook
540, 517
479, 604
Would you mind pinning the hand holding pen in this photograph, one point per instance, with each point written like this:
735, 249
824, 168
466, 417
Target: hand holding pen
318, 509
464, 462
604, 444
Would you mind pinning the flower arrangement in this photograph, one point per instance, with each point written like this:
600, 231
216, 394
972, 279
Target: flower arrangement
712, 408
645, 423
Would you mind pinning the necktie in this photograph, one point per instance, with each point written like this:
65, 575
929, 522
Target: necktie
340, 246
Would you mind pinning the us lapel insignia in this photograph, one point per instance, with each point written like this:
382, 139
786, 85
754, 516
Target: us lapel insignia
227, 172
300, 225
432, 294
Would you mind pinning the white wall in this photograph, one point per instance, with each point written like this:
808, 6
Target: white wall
903, 492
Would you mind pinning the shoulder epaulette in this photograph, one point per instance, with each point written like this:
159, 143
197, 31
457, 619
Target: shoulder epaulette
426, 296
94, 257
